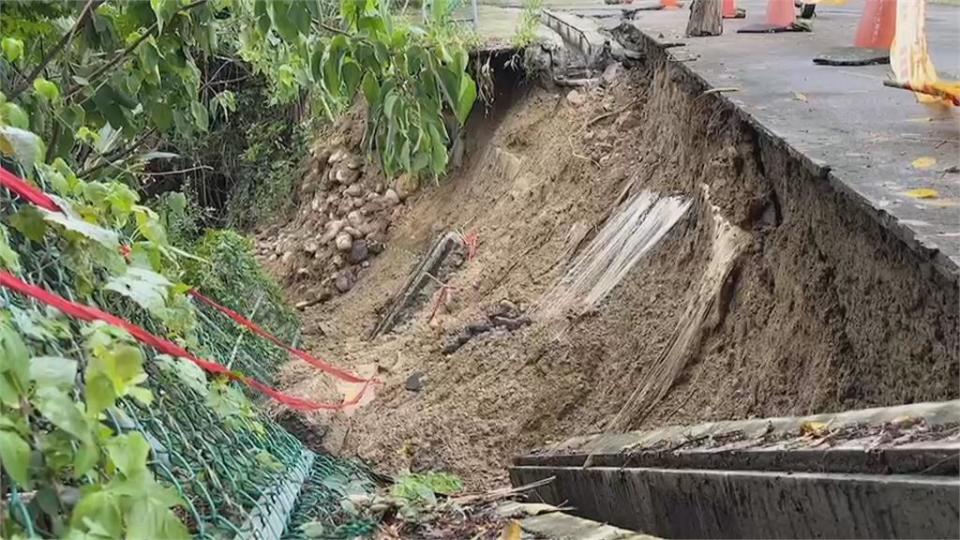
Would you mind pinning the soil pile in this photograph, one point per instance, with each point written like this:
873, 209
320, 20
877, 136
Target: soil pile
772, 295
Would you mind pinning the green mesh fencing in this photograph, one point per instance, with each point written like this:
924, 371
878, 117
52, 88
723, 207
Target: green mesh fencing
241, 475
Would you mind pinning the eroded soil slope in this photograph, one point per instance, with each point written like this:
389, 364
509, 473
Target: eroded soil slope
816, 309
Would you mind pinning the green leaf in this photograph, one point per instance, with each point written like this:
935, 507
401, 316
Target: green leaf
21, 144
164, 9
47, 89
148, 224
99, 394
29, 222
262, 16
63, 412
188, 373
129, 453
284, 14
150, 59
9, 258
75, 224
100, 508
15, 455
149, 518
12, 49
200, 115
53, 371
14, 358
316, 61
12, 115
371, 89
350, 74
86, 458
145, 287
466, 97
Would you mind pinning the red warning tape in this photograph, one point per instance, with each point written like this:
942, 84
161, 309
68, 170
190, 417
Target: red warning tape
90, 314
252, 326
26, 191
41, 199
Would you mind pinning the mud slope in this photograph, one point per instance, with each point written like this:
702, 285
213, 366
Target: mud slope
772, 295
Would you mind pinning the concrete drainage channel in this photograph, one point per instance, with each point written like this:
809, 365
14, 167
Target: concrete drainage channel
876, 473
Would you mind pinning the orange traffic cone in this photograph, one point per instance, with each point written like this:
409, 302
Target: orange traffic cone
730, 10
878, 25
874, 37
669, 4
781, 16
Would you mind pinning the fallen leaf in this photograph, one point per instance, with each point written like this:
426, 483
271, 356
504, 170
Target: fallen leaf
813, 429
923, 193
511, 531
924, 162
799, 97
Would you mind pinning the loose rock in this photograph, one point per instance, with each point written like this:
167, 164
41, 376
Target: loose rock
331, 230
414, 382
344, 241
406, 185
355, 219
354, 190
358, 252
391, 198
352, 232
343, 282
576, 98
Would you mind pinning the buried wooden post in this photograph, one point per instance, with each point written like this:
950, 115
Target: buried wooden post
706, 18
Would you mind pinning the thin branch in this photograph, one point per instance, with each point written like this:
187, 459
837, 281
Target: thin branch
126, 52
181, 171
334, 29
110, 158
62, 44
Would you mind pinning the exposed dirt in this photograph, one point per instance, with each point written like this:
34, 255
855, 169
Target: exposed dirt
821, 310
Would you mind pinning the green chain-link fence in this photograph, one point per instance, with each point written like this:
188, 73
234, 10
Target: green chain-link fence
241, 474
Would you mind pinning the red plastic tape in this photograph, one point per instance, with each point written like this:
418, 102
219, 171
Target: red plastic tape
252, 326
90, 314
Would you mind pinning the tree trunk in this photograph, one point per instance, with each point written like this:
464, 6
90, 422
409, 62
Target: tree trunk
705, 19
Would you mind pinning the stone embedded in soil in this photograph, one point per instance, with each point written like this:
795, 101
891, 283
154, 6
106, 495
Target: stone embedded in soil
358, 253
343, 282
358, 202
406, 185
414, 382
346, 175
576, 98
353, 232
355, 162
375, 242
611, 73
286, 256
331, 230
311, 247
391, 198
338, 155
353, 190
355, 220
338, 261
344, 241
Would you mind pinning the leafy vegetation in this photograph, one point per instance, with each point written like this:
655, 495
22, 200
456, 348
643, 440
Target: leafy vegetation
526, 31
409, 76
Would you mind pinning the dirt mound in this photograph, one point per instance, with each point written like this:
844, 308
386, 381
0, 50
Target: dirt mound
772, 295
